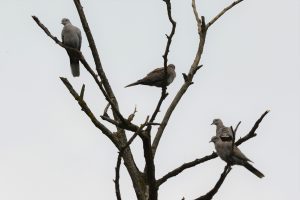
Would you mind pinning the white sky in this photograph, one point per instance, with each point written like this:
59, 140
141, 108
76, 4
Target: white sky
50, 150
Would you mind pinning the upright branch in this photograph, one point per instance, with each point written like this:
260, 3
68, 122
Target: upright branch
94, 50
164, 93
169, 37
117, 168
117, 177
188, 81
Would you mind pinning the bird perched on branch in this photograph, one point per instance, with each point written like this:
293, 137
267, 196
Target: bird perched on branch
157, 77
225, 133
71, 37
232, 155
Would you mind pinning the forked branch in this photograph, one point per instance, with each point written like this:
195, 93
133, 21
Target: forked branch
198, 161
88, 112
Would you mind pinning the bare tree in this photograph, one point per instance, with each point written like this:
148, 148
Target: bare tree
144, 181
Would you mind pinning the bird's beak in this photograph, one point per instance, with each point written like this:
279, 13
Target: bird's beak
210, 141
212, 124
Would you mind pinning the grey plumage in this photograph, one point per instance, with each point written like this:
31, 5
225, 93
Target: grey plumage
225, 133
71, 37
233, 156
156, 77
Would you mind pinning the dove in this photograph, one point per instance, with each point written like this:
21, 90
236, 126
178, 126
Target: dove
233, 156
71, 37
225, 133
156, 77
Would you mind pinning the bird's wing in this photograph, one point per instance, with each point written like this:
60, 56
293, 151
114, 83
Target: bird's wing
225, 134
237, 153
155, 75
78, 32
71, 36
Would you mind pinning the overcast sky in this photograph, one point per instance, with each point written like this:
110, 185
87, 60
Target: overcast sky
50, 150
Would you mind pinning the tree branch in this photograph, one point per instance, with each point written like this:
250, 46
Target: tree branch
87, 110
212, 192
169, 37
88, 68
252, 133
198, 161
193, 69
96, 56
117, 168
185, 166
164, 93
222, 13
117, 177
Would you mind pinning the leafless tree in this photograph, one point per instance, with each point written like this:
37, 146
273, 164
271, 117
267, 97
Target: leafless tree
144, 181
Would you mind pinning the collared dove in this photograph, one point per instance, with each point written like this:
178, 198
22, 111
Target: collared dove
156, 77
233, 156
71, 37
225, 133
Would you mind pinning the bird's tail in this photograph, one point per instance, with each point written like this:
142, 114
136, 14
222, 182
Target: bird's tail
253, 170
74, 62
133, 84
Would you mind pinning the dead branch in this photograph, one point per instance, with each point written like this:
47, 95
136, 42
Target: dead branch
95, 53
86, 65
198, 161
212, 192
117, 168
164, 93
222, 13
185, 166
252, 133
87, 110
117, 177
184, 87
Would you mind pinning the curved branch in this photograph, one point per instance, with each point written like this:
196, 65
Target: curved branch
222, 13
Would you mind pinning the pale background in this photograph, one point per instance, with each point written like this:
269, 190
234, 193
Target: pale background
50, 150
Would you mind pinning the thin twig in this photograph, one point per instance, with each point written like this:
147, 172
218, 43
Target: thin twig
169, 37
222, 13
127, 126
198, 20
117, 177
82, 91
252, 133
106, 110
237, 126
